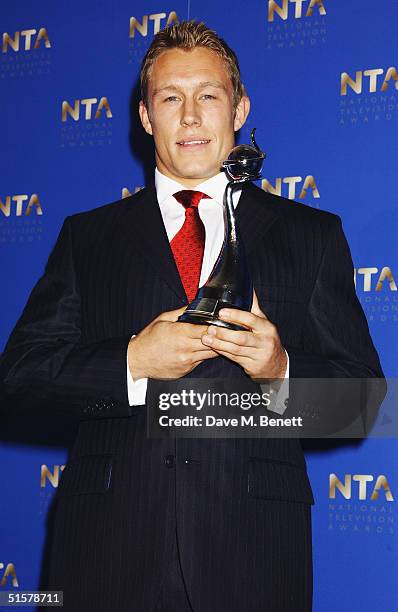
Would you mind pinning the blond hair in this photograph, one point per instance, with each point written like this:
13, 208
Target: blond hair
188, 35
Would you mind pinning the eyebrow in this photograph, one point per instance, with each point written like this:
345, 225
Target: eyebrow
175, 87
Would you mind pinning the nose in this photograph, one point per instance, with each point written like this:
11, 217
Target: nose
190, 114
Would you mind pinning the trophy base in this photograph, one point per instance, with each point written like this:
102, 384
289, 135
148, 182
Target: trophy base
206, 318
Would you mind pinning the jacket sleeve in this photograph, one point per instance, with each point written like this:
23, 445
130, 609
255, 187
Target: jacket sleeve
336, 342
45, 359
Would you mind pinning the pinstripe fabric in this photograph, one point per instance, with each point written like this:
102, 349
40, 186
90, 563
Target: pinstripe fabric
240, 508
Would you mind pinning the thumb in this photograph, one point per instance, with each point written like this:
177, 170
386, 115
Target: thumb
256, 306
171, 315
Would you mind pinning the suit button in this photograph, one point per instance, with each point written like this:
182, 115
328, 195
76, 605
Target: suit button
169, 461
189, 461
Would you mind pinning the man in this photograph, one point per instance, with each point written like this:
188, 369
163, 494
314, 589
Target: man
184, 524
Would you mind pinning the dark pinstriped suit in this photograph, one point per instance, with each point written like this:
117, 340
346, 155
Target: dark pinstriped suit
241, 507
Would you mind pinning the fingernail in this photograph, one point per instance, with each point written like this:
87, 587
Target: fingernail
212, 331
224, 313
207, 339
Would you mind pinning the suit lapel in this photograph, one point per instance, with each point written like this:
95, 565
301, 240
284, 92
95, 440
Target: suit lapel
151, 239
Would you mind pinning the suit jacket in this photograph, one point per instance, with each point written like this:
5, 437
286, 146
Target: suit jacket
240, 507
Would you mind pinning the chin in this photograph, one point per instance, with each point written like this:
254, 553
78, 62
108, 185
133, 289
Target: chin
198, 172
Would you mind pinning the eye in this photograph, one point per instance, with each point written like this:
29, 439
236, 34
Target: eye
208, 97
171, 99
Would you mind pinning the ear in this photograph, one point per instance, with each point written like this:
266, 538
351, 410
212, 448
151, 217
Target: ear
241, 112
144, 116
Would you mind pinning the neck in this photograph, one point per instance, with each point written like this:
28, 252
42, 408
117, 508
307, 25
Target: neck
188, 183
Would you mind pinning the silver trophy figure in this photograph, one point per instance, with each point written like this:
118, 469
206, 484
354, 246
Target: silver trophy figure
229, 284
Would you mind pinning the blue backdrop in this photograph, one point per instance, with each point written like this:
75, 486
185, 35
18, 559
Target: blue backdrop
323, 83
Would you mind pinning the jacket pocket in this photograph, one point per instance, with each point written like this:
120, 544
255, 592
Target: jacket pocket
269, 479
86, 474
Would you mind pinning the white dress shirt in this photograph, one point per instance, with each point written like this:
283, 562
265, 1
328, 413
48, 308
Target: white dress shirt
211, 213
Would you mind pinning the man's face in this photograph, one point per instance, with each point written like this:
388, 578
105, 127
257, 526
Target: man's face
191, 114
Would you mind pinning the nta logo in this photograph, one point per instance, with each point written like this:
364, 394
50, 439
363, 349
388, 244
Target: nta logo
126, 193
16, 203
356, 84
157, 18
362, 492
367, 273
88, 103
52, 477
30, 40
282, 9
292, 182
9, 571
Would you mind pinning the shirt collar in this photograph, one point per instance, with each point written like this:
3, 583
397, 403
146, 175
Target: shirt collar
214, 187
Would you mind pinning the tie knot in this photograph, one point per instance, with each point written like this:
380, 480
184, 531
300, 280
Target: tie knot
189, 198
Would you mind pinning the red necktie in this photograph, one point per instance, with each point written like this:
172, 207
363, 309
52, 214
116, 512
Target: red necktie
189, 243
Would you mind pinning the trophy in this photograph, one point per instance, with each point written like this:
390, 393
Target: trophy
229, 284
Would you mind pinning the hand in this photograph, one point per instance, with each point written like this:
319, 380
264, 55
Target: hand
167, 349
259, 350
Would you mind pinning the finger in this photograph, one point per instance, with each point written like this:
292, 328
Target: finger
242, 317
244, 362
241, 338
227, 347
171, 315
199, 347
256, 306
204, 355
195, 345
192, 331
